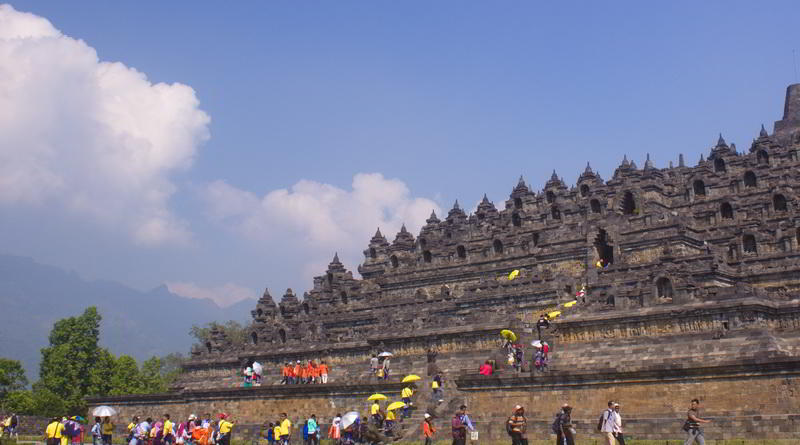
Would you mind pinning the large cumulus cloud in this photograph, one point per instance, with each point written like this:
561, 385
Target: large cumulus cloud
320, 218
92, 138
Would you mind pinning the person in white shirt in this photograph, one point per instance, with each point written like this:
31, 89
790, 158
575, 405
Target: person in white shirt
618, 425
607, 427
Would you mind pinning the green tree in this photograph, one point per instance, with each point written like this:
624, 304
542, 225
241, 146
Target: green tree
49, 404
20, 402
126, 378
12, 376
101, 373
152, 379
67, 362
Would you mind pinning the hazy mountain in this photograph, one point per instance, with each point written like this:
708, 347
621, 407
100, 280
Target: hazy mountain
142, 324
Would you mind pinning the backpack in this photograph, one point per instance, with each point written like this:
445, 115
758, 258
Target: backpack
600, 422
556, 426
509, 428
70, 429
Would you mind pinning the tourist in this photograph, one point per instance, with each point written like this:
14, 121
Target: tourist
363, 429
169, 436
465, 418
406, 393
389, 423
276, 433
692, 424
518, 357
485, 369
313, 430
132, 429
377, 414
286, 429
428, 430
201, 435
543, 323
286, 373
385, 368
618, 425
436, 386
298, 373
459, 430
54, 431
373, 364
142, 432
335, 430
518, 425
310, 371
107, 431
305, 432
12, 426
97, 432
323, 371
562, 426
156, 433
606, 424
270, 433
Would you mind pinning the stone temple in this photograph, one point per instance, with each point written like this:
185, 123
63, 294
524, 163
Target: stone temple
701, 298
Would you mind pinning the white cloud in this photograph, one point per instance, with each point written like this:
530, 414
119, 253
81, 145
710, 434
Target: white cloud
224, 295
321, 218
96, 139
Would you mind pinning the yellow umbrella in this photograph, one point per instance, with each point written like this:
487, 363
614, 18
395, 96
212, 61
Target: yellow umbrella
508, 334
513, 274
554, 314
571, 303
377, 397
411, 378
395, 405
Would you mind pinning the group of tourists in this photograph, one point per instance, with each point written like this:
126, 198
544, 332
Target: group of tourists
379, 365
193, 431
304, 374
9, 426
63, 431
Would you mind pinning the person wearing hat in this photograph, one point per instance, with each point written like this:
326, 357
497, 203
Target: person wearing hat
428, 429
565, 433
518, 425
618, 425
225, 427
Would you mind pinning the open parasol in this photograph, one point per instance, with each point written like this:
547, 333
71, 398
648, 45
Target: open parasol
385, 354
349, 419
104, 411
377, 396
509, 335
411, 378
536, 343
395, 405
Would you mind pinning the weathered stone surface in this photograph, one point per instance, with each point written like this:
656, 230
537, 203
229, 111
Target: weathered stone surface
700, 299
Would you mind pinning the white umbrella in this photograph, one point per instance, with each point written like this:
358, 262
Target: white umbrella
385, 354
349, 419
104, 411
536, 344
257, 368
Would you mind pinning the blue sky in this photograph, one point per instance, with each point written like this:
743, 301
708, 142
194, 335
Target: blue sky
452, 99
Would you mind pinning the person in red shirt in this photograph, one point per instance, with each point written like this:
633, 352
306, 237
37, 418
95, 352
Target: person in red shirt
310, 371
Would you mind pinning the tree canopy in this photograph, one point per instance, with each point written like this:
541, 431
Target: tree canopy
74, 366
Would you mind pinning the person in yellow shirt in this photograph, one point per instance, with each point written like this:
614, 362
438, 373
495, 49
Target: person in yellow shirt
53, 432
106, 430
377, 414
286, 429
225, 427
276, 434
168, 434
389, 424
406, 394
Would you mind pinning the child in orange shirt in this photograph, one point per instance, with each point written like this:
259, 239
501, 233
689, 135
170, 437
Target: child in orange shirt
428, 430
323, 372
